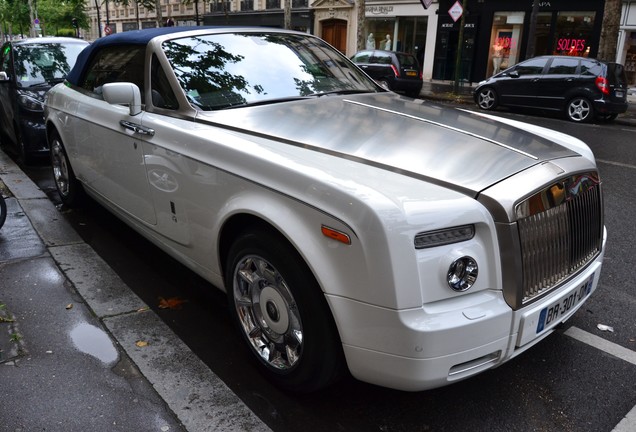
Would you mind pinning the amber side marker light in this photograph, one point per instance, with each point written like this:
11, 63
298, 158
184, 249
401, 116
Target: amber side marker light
335, 234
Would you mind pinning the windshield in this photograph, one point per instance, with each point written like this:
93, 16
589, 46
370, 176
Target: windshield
225, 70
44, 63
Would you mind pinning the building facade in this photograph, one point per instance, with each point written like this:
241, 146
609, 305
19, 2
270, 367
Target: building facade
111, 17
497, 32
626, 49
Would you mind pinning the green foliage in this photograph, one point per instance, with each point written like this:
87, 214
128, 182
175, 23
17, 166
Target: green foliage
55, 16
66, 32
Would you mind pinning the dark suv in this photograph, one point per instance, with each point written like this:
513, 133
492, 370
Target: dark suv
28, 69
393, 70
581, 88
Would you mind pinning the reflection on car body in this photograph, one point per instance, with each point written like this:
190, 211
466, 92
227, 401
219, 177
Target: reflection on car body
351, 227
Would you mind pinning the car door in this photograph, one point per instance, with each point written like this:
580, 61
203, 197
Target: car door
557, 82
112, 154
7, 96
518, 85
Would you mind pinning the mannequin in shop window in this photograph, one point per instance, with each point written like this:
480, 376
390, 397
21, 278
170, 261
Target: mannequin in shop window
370, 42
387, 43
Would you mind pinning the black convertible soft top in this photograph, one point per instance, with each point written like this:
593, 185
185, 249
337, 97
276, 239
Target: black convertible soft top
135, 37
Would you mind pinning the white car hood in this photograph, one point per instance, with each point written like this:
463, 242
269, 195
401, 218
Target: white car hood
462, 150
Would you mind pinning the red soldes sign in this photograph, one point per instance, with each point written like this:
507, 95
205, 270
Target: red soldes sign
571, 45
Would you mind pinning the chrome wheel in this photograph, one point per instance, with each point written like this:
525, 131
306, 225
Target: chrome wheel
60, 167
487, 99
580, 110
267, 313
281, 312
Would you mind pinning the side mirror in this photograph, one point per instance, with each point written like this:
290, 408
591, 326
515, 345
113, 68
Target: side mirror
123, 93
4, 76
514, 74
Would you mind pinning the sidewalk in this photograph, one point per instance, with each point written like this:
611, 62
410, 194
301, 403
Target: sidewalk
442, 91
78, 350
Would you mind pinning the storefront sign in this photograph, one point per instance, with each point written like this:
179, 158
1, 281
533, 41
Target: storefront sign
456, 11
379, 10
571, 45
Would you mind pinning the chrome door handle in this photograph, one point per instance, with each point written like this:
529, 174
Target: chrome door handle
137, 128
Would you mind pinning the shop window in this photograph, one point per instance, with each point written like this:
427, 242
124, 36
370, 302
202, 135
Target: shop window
574, 33
505, 40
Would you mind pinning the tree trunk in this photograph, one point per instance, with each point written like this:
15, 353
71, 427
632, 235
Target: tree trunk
159, 13
31, 19
287, 14
609, 30
361, 38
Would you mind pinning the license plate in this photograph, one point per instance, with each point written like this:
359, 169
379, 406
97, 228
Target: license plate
619, 94
411, 73
550, 314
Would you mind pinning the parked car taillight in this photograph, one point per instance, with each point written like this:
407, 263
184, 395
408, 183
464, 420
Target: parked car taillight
602, 85
395, 71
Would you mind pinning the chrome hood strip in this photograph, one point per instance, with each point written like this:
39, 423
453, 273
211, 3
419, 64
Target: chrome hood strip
441, 145
444, 126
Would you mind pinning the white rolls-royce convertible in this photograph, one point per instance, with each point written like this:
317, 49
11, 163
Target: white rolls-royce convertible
352, 228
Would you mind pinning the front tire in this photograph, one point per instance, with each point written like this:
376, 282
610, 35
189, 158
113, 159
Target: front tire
487, 98
68, 187
580, 110
281, 313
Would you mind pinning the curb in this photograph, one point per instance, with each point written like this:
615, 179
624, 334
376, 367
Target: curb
197, 397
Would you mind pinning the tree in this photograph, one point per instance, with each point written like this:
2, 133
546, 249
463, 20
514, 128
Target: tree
361, 39
15, 16
609, 30
56, 16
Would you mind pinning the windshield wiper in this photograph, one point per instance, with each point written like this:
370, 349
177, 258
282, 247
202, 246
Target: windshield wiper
264, 102
342, 92
47, 83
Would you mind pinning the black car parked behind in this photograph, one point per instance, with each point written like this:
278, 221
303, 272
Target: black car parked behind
28, 69
396, 71
581, 88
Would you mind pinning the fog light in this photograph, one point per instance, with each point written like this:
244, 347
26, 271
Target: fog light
462, 273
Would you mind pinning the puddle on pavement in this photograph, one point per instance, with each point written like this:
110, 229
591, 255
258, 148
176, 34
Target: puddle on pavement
95, 342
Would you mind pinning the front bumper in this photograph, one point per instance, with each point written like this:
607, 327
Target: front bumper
33, 134
449, 340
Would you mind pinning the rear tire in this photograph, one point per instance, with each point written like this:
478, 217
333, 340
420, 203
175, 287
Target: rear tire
579, 110
487, 98
282, 313
69, 188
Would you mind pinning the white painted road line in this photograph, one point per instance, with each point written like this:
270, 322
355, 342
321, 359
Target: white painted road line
628, 424
602, 344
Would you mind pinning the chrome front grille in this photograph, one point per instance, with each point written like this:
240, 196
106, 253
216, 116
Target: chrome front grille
560, 231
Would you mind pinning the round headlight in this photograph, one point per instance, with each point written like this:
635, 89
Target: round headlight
462, 273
